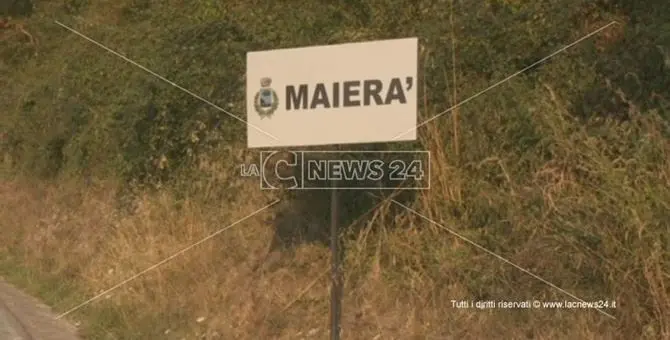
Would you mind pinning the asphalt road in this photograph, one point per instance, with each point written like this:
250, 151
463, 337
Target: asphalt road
10, 328
23, 317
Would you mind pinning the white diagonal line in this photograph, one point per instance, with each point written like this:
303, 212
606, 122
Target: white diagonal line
497, 256
164, 79
164, 261
506, 79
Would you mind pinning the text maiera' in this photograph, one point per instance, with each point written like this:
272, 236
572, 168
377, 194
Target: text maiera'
348, 94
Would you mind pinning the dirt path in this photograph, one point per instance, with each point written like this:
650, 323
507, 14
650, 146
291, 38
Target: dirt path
23, 317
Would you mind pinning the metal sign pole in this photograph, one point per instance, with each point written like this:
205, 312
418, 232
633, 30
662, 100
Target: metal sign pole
336, 270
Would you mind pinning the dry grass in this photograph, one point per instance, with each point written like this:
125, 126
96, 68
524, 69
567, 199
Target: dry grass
399, 282
591, 219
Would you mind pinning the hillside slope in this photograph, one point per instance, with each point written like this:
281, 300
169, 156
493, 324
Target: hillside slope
562, 171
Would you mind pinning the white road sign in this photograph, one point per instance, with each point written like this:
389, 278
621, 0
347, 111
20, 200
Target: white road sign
334, 94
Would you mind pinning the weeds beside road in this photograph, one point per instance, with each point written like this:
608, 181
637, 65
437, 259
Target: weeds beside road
563, 171
68, 242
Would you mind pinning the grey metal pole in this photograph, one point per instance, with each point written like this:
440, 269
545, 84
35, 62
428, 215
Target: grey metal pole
336, 270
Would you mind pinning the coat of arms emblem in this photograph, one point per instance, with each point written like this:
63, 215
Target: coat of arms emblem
266, 100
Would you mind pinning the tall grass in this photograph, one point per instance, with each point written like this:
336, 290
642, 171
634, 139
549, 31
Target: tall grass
582, 203
586, 213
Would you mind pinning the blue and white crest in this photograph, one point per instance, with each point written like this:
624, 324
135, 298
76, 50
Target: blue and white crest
266, 100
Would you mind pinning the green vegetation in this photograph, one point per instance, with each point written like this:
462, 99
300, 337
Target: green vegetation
563, 170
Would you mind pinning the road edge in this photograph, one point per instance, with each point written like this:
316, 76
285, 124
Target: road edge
32, 317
